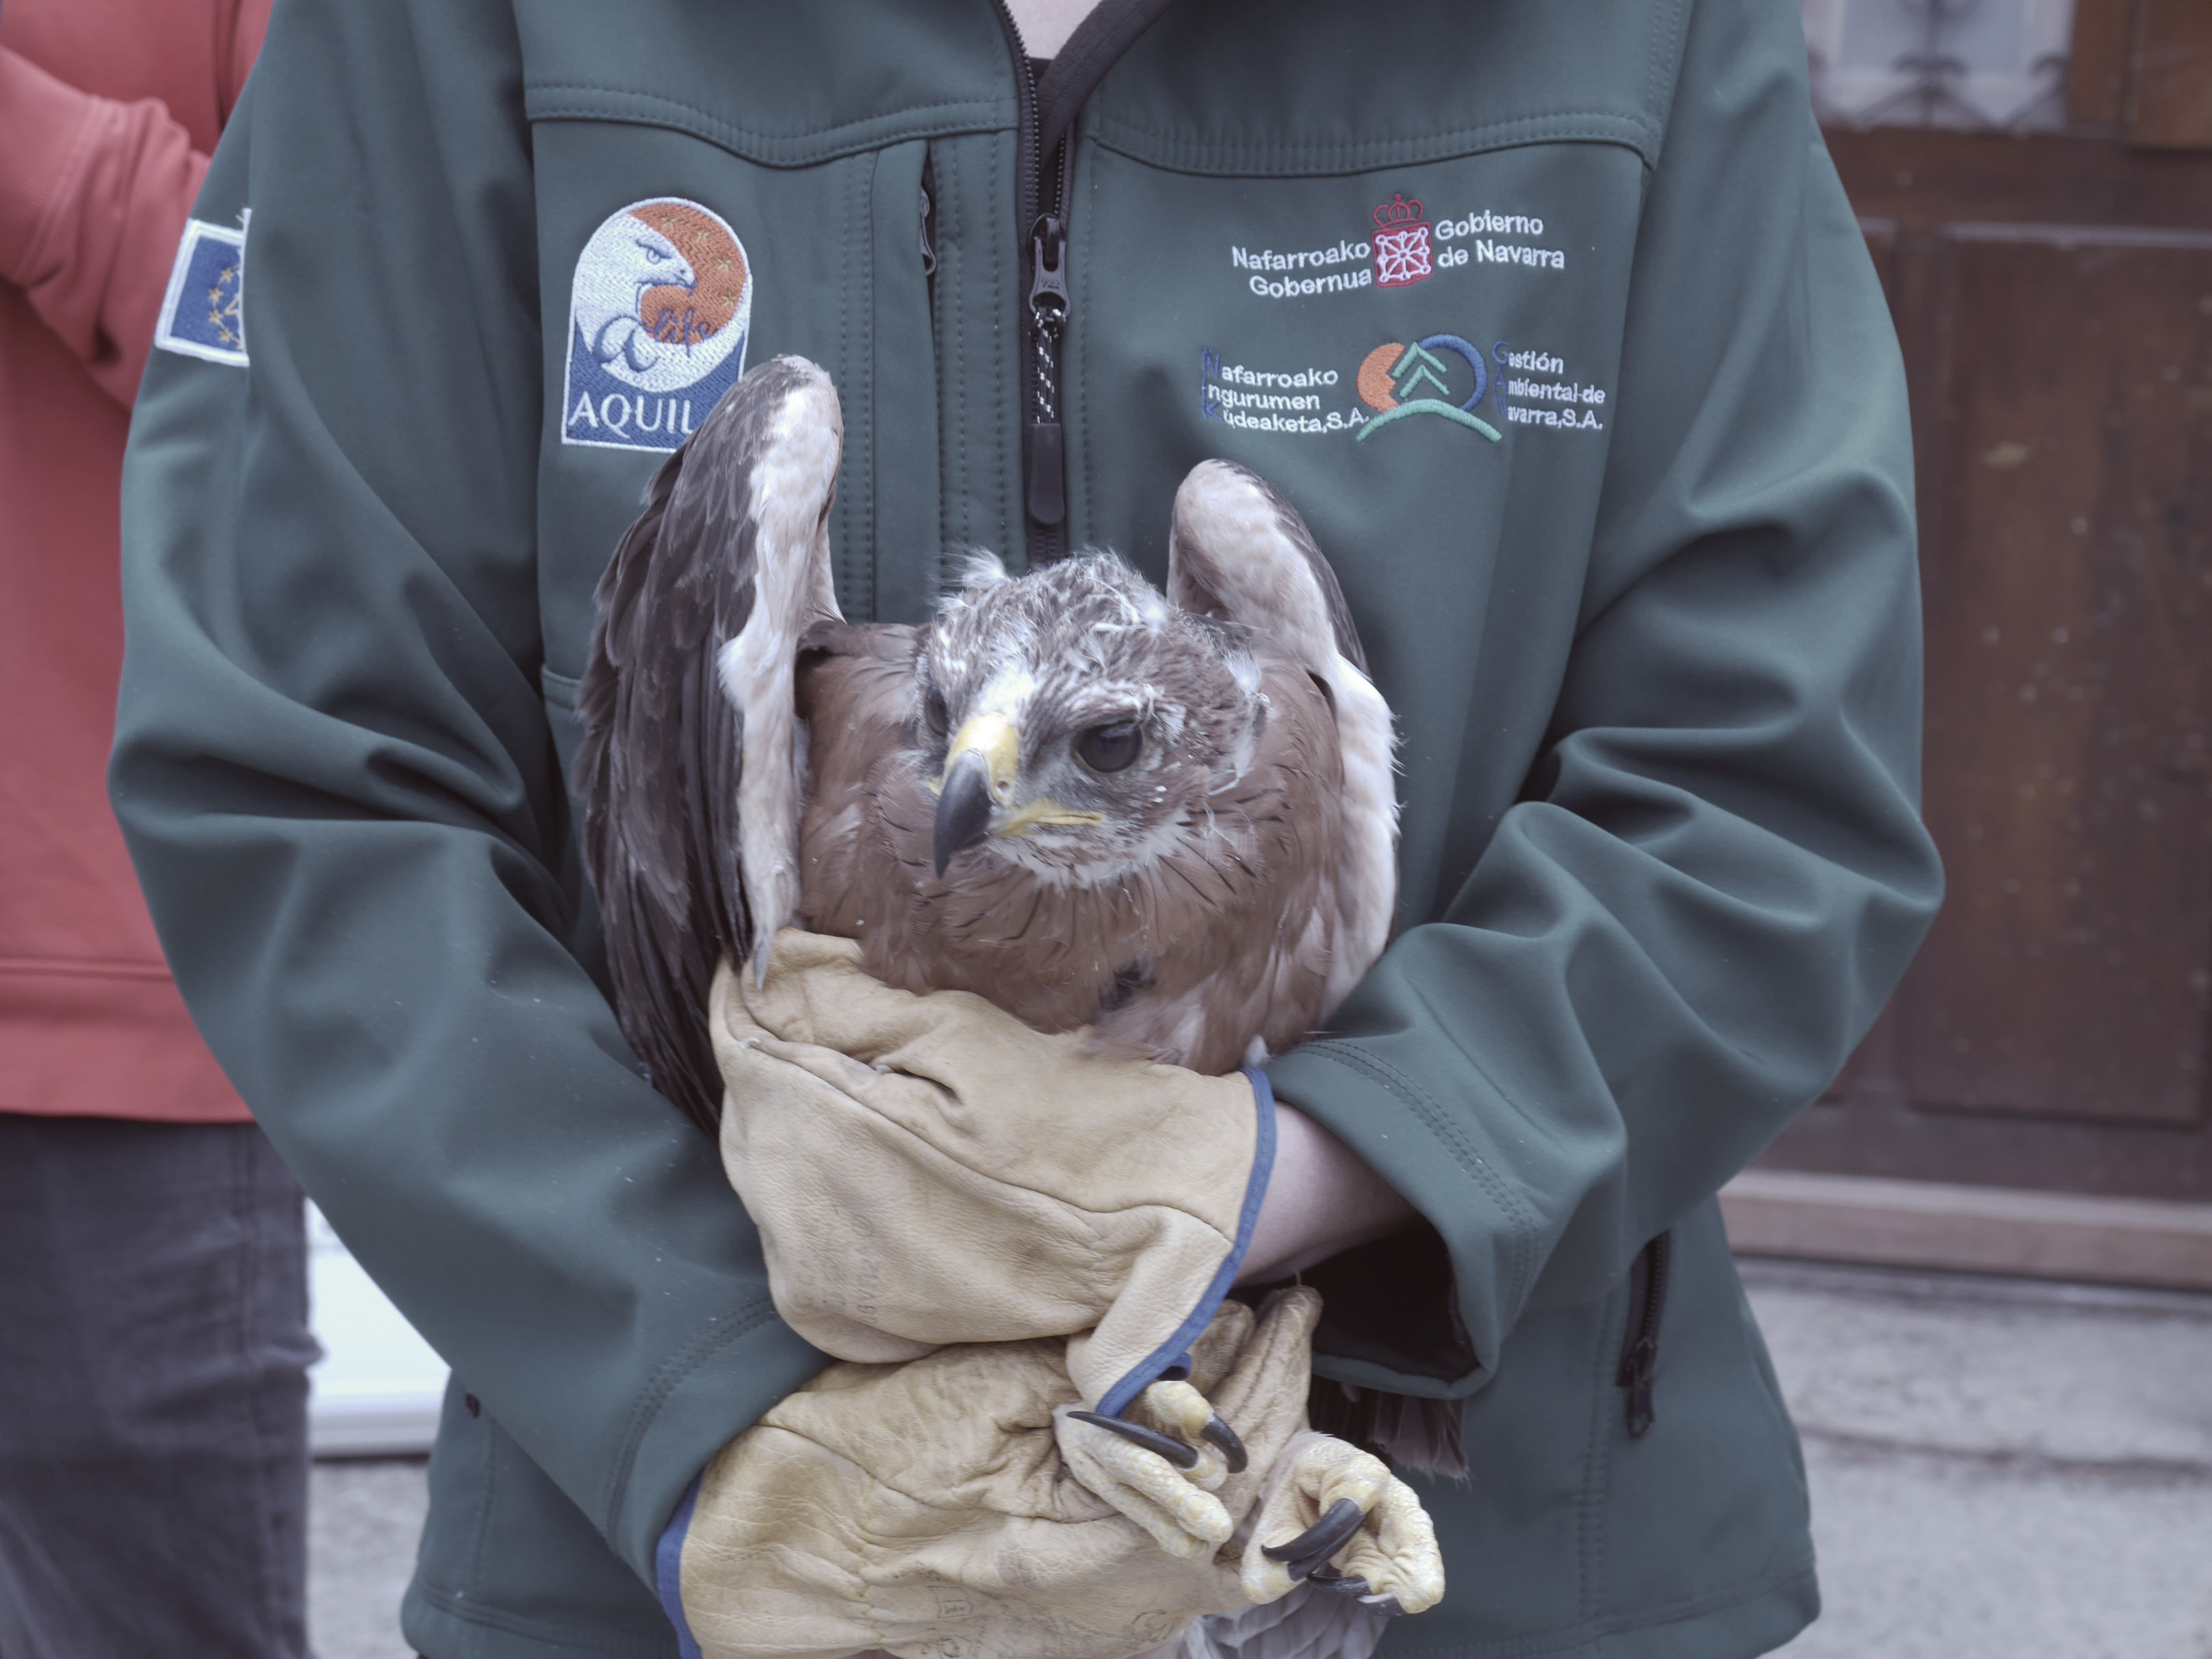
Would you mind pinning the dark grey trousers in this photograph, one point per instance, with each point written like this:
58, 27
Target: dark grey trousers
153, 1348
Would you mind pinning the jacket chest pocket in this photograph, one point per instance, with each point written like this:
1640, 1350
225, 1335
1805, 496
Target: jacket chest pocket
669, 265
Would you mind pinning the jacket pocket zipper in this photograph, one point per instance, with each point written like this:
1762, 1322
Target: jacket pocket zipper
928, 228
1639, 1345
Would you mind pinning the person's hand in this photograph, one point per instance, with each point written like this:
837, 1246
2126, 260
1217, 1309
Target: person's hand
928, 1169
1334, 1515
923, 1508
1324, 1512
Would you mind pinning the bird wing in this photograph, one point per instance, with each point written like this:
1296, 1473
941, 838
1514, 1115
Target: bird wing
1240, 553
691, 768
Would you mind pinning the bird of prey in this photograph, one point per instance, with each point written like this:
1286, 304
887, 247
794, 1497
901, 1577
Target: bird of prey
1169, 819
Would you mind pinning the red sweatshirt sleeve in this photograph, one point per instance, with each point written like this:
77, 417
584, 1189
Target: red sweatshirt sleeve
94, 197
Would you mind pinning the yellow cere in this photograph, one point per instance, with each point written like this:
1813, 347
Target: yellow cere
993, 736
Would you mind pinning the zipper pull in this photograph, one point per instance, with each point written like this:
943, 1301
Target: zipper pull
1045, 456
1048, 261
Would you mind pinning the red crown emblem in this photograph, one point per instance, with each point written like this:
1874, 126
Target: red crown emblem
1399, 214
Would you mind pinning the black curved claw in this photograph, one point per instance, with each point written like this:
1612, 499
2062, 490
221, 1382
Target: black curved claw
1224, 1439
1312, 1548
1182, 1457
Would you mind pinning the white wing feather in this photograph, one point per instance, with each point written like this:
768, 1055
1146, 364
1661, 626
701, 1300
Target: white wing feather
791, 491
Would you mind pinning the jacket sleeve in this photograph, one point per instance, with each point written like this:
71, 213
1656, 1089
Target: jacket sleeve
1716, 873
336, 775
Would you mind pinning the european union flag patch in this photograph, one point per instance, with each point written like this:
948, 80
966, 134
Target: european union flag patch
203, 314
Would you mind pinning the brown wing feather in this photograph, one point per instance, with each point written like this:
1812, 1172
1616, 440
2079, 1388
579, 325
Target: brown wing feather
1239, 552
855, 686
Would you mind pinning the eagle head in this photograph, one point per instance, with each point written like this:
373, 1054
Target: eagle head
1075, 721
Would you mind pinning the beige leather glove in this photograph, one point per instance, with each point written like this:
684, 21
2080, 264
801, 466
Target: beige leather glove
923, 1509
1332, 1511
928, 1170
1328, 1513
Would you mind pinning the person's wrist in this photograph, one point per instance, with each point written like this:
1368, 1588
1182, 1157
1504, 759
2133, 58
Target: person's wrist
1321, 1198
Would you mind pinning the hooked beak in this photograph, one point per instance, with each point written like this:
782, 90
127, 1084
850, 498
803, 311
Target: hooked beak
978, 785
980, 765
963, 809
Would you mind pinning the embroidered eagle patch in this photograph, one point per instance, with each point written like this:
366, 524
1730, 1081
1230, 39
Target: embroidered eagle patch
657, 317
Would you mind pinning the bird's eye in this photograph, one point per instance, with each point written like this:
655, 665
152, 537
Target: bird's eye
1110, 748
934, 713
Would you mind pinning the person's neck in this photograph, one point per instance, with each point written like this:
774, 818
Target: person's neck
1045, 25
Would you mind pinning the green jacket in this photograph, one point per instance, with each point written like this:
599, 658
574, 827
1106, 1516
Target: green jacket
1633, 555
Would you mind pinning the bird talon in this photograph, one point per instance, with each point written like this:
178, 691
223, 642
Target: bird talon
1182, 1457
1386, 1605
1312, 1548
1223, 1438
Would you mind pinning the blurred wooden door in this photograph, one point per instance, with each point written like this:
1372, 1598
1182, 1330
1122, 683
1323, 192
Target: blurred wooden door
2053, 293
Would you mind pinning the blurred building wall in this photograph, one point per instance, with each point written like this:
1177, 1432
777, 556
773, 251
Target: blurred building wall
2034, 178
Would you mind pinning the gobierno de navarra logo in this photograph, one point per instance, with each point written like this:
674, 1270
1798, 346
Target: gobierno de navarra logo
1402, 243
657, 316
1403, 248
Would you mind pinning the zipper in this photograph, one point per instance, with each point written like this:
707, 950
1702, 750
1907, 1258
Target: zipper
1041, 192
1639, 1345
1040, 205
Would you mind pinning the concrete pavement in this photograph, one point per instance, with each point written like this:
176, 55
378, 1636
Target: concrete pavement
1999, 1469
363, 1518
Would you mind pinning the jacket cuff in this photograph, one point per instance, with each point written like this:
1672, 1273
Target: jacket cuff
698, 1400
46, 130
668, 1568
1479, 1285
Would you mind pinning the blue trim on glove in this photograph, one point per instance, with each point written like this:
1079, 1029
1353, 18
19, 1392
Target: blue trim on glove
1174, 1354
668, 1568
